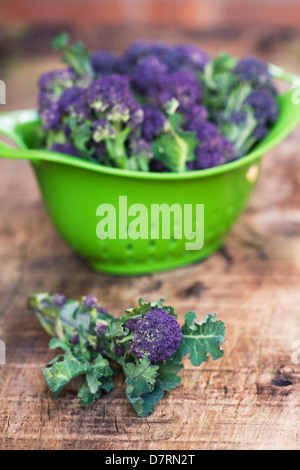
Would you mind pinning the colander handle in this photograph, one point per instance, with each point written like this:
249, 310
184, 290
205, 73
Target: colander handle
8, 127
280, 74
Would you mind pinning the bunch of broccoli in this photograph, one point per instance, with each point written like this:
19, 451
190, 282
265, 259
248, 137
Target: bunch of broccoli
147, 344
156, 108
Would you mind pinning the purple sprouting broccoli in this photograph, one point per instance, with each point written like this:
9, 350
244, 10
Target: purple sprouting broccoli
140, 154
153, 122
112, 95
135, 52
241, 99
157, 336
102, 310
213, 153
49, 113
118, 348
196, 115
131, 324
103, 113
213, 149
191, 57
142, 49
147, 74
65, 148
101, 327
89, 301
181, 85
51, 86
247, 120
252, 70
147, 344
157, 107
104, 63
73, 103
174, 58
103, 129
264, 106
58, 80
157, 166
260, 132
59, 300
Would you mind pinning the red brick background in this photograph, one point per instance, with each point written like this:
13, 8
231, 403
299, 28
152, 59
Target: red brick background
181, 13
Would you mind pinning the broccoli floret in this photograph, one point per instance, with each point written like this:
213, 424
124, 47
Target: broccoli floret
157, 336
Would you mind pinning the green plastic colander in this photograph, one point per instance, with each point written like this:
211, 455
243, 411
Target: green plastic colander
73, 189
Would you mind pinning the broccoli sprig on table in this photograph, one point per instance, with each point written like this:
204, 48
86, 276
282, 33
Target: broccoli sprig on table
147, 344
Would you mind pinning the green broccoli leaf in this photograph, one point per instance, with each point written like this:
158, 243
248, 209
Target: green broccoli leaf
59, 343
87, 398
144, 307
168, 374
98, 379
61, 373
141, 389
81, 137
144, 404
142, 368
201, 339
93, 382
177, 147
77, 57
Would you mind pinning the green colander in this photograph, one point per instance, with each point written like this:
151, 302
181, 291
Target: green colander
73, 189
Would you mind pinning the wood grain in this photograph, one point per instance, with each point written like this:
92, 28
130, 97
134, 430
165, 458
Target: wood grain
252, 283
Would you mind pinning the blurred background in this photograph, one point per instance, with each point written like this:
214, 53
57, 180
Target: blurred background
269, 29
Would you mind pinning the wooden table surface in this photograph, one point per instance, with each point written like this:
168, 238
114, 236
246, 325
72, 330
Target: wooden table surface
248, 400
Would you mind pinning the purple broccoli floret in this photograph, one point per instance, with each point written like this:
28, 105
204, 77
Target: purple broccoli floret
102, 310
49, 114
157, 336
147, 74
264, 106
236, 117
156, 166
101, 327
63, 78
112, 95
182, 85
136, 51
65, 148
213, 149
103, 129
118, 348
191, 57
104, 63
75, 339
139, 146
59, 300
141, 49
250, 69
213, 153
153, 123
51, 86
131, 324
195, 116
260, 132
89, 301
